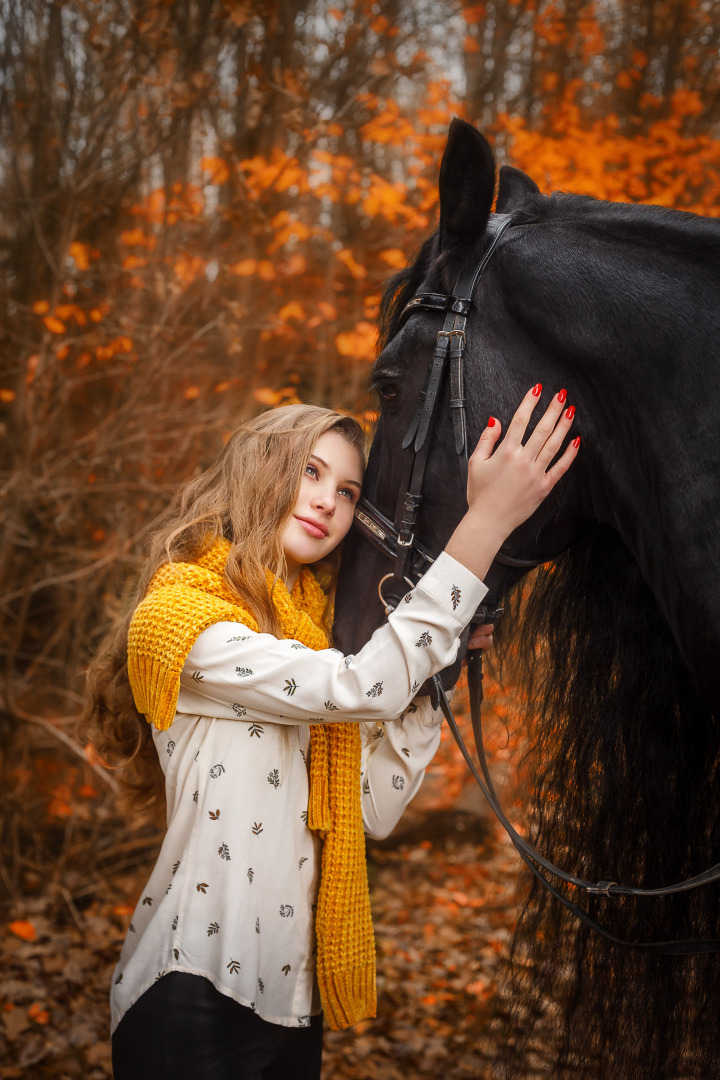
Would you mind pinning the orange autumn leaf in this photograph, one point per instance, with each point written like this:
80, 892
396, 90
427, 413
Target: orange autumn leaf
62, 352
6, 395
55, 326
23, 929
360, 342
191, 393
329, 311
244, 268
80, 254
41, 307
394, 257
346, 257
293, 310
38, 1014
218, 169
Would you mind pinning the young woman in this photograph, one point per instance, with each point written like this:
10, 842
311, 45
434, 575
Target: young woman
256, 920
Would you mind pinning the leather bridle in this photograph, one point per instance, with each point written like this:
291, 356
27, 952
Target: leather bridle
396, 540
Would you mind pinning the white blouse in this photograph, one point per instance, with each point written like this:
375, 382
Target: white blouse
232, 894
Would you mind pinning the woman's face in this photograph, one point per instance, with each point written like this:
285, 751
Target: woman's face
323, 513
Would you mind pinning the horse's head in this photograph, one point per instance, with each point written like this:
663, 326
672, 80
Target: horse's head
467, 191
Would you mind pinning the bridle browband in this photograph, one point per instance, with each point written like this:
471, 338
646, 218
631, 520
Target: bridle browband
396, 540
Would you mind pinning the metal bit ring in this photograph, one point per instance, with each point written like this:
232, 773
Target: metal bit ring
382, 581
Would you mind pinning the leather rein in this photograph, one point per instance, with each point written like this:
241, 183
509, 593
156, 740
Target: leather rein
396, 540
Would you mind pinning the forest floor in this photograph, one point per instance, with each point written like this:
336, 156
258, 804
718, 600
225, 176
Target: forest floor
443, 896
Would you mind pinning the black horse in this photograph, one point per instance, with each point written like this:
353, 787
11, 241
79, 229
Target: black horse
619, 638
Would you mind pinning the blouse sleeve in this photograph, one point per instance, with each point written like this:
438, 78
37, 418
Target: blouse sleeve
394, 758
234, 672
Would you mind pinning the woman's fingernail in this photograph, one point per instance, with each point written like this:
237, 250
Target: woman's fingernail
576, 442
562, 396
569, 413
537, 390
491, 422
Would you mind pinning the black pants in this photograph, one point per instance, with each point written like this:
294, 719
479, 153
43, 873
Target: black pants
182, 1028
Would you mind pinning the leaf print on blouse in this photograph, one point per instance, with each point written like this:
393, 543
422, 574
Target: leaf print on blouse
349, 659
168, 888
250, 874
257, 828
147, 900
217, 770
290, 687
159, 975
398, 782
408, 597
195, 796
176, 954
170, 747
174, 923
366, 786
424, 640
297, 645
214, 814
243, 672
256, 729
304, 816
238, 637
286, 969
239, 710
257, 925
301, 860
414, 688
304, 1021
261, 986
455, 594
213, 928
119, 979
287, 911
224, 852
202, 886
375, 691
233, 967
273, 778
131, 929
330, 706
404, 750
177, 864
198, 676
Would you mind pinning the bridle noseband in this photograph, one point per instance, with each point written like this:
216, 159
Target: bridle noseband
396, 540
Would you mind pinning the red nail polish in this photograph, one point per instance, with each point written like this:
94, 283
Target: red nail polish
537, 390
569, 413
562, 396
491, 422
576, 442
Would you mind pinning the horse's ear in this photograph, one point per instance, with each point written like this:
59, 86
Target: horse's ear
513, 188
467, 185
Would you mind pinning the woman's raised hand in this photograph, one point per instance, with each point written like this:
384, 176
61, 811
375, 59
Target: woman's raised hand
507, 482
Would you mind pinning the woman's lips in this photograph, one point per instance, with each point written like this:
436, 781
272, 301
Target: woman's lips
313, 529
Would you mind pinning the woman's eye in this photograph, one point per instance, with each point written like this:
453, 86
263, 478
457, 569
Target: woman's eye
311, 471
347, 493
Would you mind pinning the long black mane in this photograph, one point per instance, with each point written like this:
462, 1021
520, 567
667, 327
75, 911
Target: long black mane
623, 750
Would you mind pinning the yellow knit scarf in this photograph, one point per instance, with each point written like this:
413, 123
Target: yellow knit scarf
182, 600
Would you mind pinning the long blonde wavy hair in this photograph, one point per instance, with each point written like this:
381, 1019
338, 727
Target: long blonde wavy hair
246, 497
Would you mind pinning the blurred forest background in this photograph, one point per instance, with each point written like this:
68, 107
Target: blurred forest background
199, 203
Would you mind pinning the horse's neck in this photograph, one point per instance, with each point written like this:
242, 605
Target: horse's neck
634, 335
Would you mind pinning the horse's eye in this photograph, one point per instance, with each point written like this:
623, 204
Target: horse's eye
388, 392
